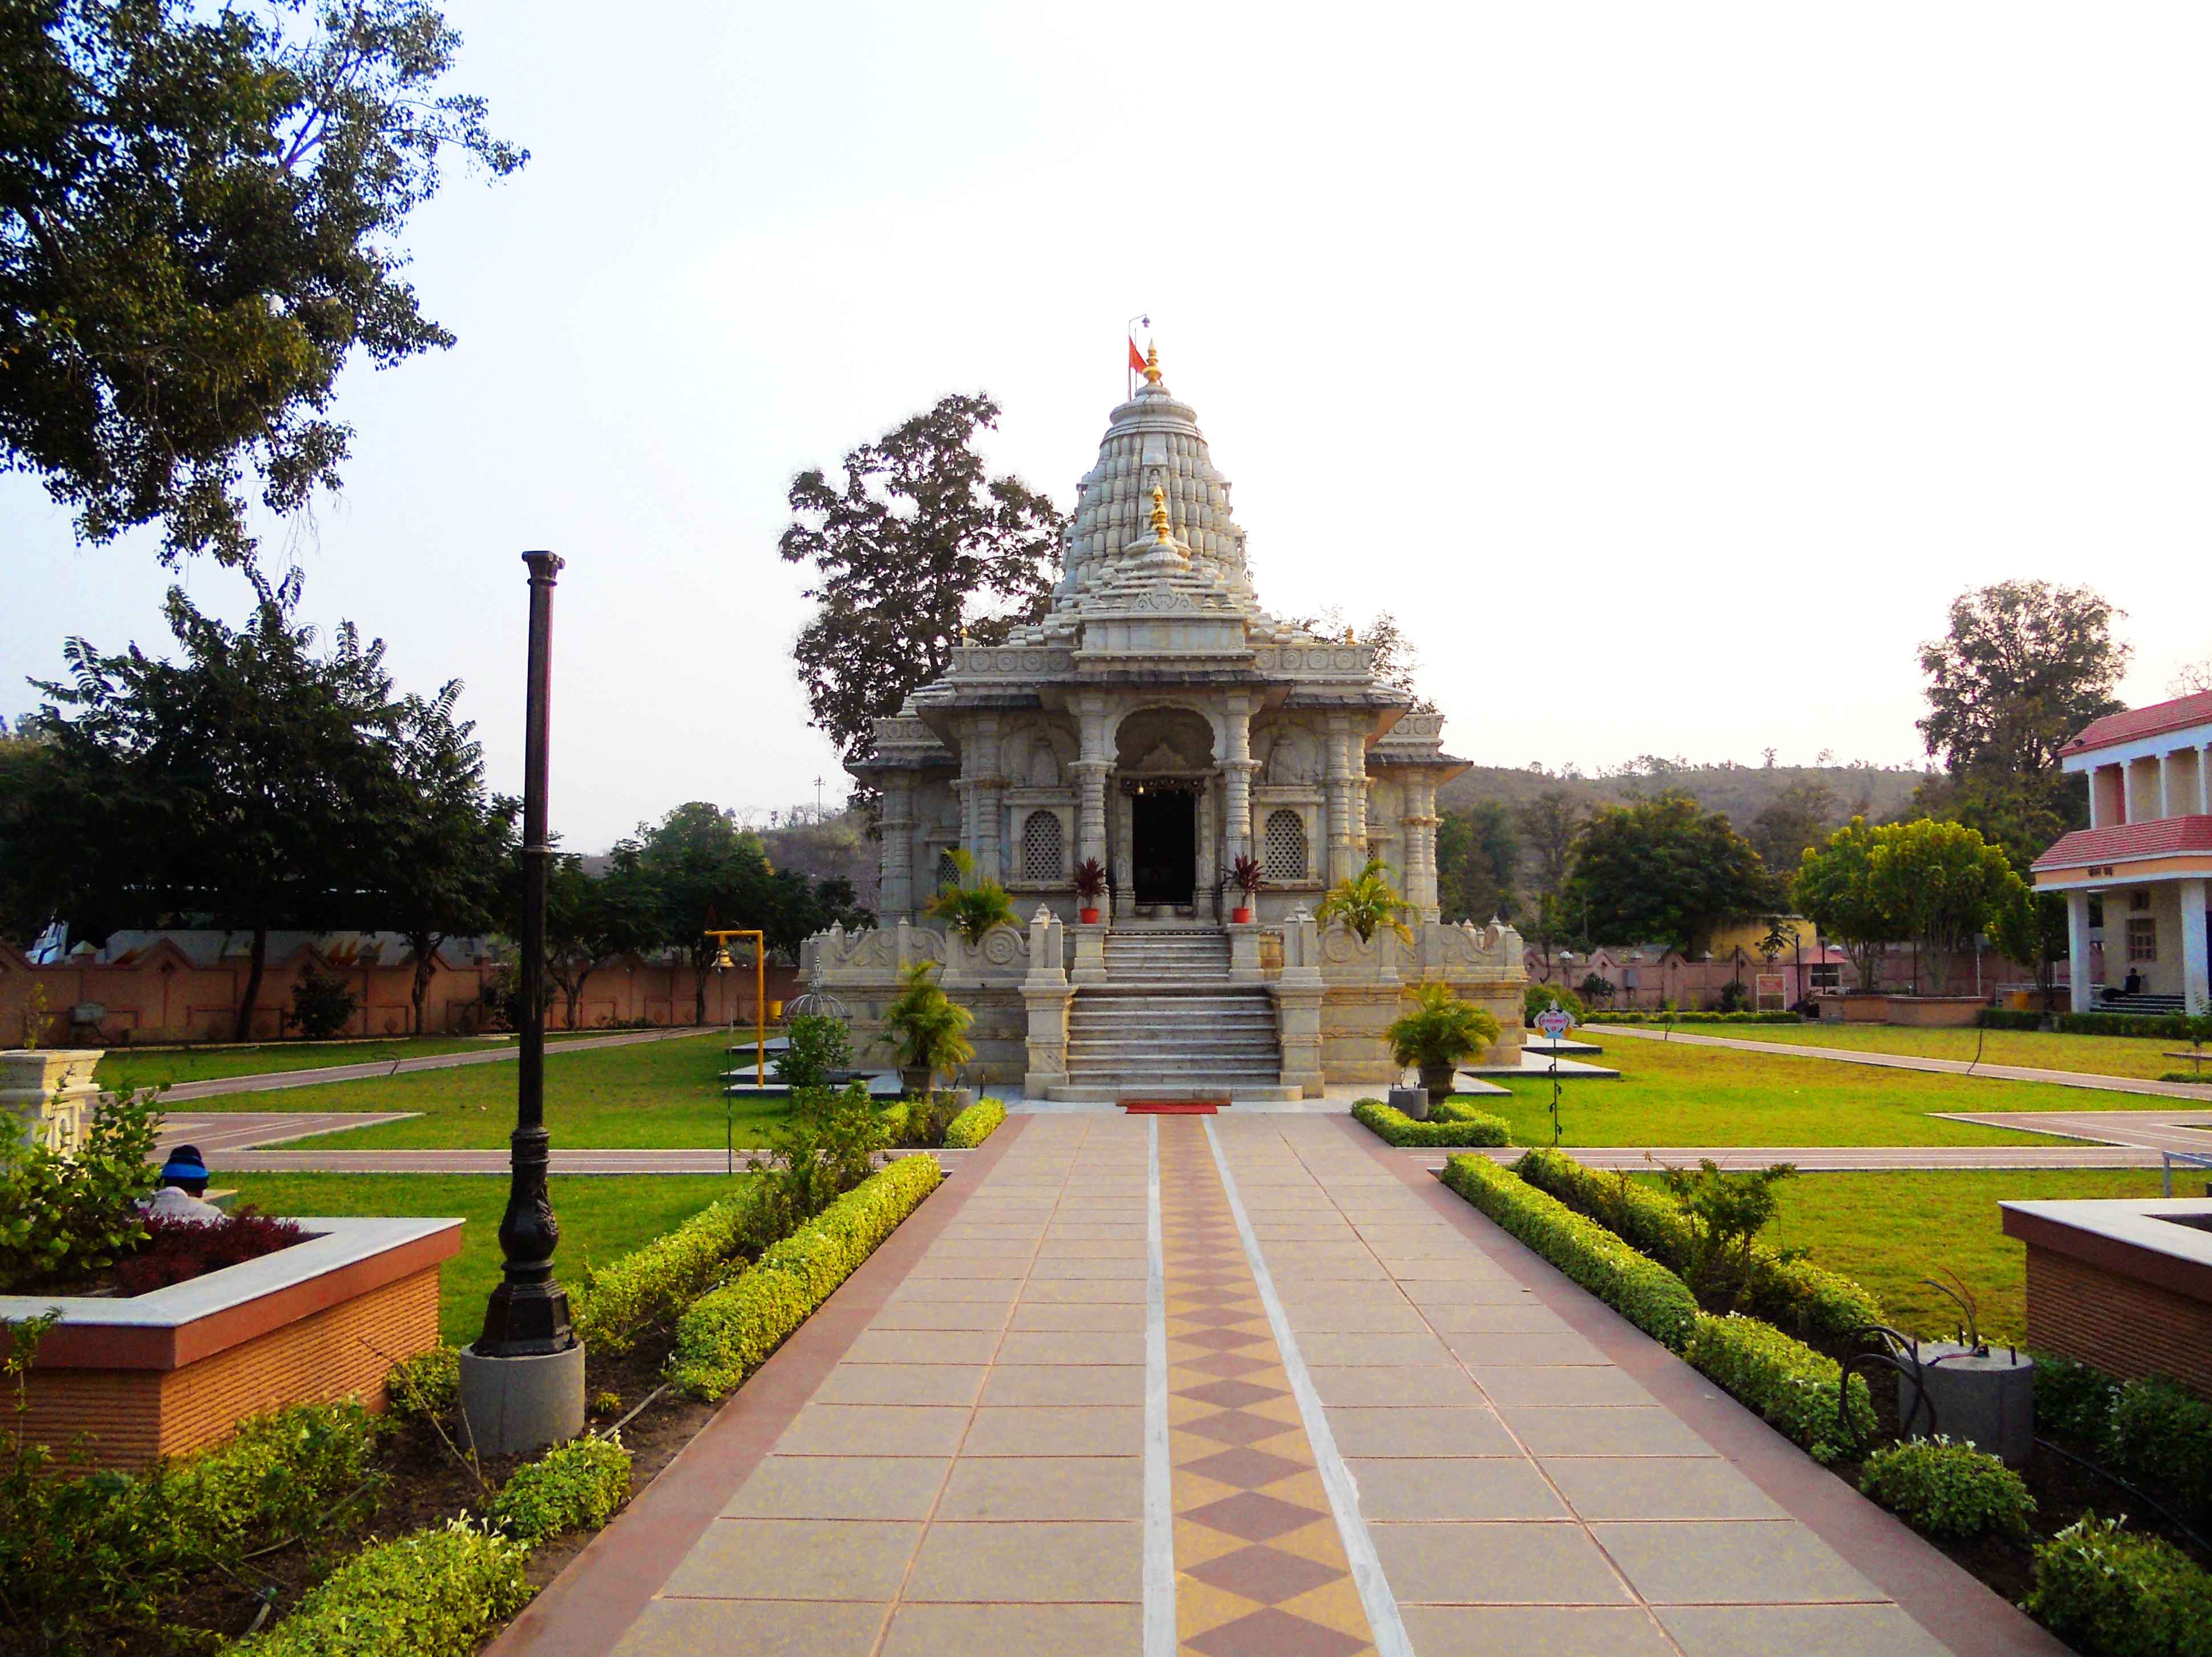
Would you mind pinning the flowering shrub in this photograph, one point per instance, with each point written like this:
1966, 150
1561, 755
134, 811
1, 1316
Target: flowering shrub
1947, 1489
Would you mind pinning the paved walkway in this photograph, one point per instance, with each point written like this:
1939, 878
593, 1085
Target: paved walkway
2065, 1078
1243, 1385
273, 1081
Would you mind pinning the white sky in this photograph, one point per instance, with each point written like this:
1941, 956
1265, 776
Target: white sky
1667, 368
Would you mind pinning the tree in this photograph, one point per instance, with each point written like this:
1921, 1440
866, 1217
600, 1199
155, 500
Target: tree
591, 920
1478, 854
1786, 827
440, 846
1835, 888
2191, 678
1367, 903
1942, 883
1548, 824
2023, 666
250, 782
1665, 869
704, 871
201, 209
1397, 659
918, 546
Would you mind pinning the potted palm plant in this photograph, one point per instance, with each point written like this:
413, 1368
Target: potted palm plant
1367, 903
1248, 878
929, 1029
1440, 1033
971, 907
1090, 886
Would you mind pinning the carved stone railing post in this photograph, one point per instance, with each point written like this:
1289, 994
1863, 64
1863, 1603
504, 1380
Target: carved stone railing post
1045, 996
47, 1094
1244, 955
1090, 955
1298, 993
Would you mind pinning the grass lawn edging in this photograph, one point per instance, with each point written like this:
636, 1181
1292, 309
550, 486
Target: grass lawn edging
730, 1332
1464, 1126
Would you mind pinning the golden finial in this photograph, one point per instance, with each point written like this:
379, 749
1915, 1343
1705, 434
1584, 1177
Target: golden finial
1151, 365
1159, 509
1348, 638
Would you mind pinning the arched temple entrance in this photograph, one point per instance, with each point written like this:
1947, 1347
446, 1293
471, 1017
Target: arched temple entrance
1164, 764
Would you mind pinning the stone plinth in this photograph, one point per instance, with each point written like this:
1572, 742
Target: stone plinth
50, 1093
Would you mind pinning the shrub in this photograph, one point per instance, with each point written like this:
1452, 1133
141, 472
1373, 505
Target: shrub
819, 1045
432, 1594
2073, 1399
611, 1305
427, 1385
975, 1125
926, 1028
2116, 1593
972, 907
1442, 1031
177, 1251
826, 1147
1793, 1294
68, 1217
1789, 1383
322, 1007
2174, 1028
1536, 997
1946, 1489
1725, 1212
729, 1333
1642, 1290
1734, 997
572, 1487
1464, 1126
1367, 903
1771, 1016
2162, 1433
2009, 1018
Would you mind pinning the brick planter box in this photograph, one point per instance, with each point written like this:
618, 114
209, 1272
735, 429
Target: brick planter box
2125, 1285
1942, 1012
177, 1369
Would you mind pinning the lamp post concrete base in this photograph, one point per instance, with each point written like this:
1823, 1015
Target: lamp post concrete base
514, 1405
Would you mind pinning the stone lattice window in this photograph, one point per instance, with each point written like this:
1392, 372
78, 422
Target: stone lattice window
1041, 847
1286, 846
948, 871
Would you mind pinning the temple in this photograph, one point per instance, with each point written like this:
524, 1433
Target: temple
1158, 721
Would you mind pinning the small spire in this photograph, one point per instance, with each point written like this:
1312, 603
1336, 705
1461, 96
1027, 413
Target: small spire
1151, 365
1348, 638
1159, 496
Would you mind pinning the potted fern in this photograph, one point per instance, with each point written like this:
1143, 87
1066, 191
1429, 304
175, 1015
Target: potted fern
929, 1029
1090, 886
971, 907
1367, 903
1440, 1033
1246, 875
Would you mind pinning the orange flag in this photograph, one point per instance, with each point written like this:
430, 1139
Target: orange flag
1136, 357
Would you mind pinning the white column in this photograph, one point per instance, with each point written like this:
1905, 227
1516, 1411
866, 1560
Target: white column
895, 826
2204, 780
1343, 860
1091, 772
2195, 976
2130, 811
1237, 773
2168, 794
2077, 950
979, 757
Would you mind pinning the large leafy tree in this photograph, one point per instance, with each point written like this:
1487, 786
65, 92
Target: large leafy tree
1944, 885
1478, 853
201, 214
249, 782
917, 543
591, 920
1665, 868
1548, 824
2022, 666
1789, 825
1835, 888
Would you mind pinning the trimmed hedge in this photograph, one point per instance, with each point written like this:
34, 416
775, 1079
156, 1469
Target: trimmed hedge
1947, 1489
2010, 1018
1771, 1016
1641, 1290
616, 1302
975, 1125
1463, 1126
572, 1486
1793, 1294
2160, 1027
730, 1332
1787, 1381
2115, 1593
434, 1594
2153, 1430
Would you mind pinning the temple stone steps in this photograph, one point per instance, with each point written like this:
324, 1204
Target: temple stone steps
1152, 957
1159, 1030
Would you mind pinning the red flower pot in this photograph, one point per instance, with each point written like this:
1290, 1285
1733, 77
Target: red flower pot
1241, 915
1090, 917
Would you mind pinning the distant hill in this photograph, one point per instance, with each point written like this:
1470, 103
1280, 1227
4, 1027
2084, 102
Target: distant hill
1741, 790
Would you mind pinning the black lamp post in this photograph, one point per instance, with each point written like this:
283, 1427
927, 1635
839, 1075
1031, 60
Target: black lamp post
528, 1315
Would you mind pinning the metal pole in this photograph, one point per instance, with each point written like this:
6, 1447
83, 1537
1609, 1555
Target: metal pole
528, 1313
760, 1012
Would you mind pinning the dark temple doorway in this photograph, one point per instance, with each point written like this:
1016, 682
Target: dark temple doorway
1163, 852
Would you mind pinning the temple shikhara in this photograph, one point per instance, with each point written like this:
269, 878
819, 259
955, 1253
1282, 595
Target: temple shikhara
1159, 720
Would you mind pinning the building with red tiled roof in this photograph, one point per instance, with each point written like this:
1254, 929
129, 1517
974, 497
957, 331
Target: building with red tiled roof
2144, 866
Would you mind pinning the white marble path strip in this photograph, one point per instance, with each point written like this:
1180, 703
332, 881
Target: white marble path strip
1160, 1627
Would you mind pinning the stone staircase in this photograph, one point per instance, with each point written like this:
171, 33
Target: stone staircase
1169, 1024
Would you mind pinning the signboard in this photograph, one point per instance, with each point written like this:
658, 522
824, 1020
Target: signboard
1553, 1022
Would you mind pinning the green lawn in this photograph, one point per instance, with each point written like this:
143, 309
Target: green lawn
1672, 1093
600, 1218
663, 1094
141, 1067
2099, 1056
1890, 1230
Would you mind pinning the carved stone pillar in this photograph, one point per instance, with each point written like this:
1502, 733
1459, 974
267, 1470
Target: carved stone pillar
896, 826
979, 765
1091, 771
1236, 771
1419, 824
1045, 997
1298, 993
1344, 858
